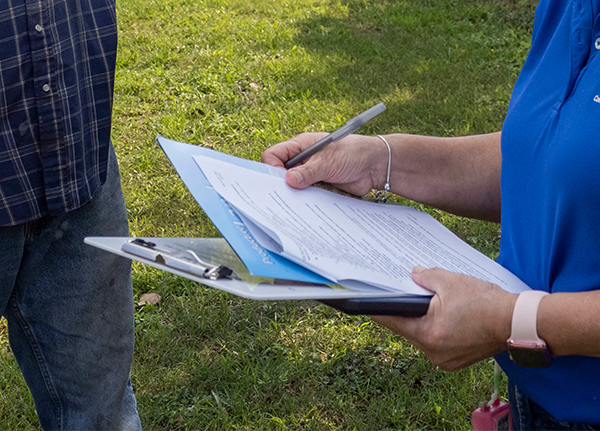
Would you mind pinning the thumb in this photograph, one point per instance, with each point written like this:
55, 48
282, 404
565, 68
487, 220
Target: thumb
431, 279
302, 176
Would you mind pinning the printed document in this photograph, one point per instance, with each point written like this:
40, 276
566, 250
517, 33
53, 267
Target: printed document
355, 243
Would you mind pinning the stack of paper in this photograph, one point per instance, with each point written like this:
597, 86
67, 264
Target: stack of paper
319, 236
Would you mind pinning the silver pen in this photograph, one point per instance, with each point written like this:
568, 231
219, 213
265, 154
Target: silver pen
350, 127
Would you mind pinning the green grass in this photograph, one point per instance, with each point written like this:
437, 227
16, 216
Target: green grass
239, 76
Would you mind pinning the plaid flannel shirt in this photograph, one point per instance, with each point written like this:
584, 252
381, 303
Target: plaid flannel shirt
57, 61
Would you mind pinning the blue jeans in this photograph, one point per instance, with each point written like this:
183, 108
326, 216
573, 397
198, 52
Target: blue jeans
69, 308
527, 415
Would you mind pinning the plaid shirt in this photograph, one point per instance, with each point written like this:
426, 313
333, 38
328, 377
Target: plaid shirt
57, 61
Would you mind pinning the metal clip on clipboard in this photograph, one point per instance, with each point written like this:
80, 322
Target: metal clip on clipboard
184, 260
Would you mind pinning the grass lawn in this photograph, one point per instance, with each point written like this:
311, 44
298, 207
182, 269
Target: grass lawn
239, 76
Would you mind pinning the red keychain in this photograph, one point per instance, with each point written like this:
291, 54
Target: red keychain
493, 415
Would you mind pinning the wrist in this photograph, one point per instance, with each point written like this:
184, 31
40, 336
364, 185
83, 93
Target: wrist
381, 158
502, 323
525, 346
381, 195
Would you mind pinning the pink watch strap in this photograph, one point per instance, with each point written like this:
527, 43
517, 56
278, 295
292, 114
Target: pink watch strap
524, 320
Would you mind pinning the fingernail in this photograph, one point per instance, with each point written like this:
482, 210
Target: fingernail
298, 176
418, 269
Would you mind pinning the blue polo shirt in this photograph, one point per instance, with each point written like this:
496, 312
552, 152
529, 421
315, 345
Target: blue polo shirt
551, 189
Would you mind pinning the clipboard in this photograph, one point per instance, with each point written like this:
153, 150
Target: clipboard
186, 260
212, 262
406, 306
371, 294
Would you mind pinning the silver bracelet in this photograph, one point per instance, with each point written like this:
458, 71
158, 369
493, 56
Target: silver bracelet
380, 195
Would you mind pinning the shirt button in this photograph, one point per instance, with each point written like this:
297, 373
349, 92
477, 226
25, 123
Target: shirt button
38, 28
597, 43
46, 88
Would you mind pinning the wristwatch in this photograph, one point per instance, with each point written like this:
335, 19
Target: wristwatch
525, 347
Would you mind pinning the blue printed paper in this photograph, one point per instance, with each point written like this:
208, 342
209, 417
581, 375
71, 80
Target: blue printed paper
259, 261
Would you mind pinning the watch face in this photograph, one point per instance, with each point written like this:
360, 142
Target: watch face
530, 356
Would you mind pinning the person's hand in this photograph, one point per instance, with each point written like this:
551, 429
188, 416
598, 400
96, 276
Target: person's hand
354, 164
468, 319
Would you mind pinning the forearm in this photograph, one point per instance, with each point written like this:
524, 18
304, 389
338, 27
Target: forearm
569, 323
459, 175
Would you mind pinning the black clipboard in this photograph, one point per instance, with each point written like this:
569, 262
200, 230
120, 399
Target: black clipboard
406, 306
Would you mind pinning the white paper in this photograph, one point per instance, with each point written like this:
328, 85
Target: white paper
217, 250
352, 242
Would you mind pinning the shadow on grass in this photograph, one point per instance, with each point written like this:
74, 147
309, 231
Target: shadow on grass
391, 52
